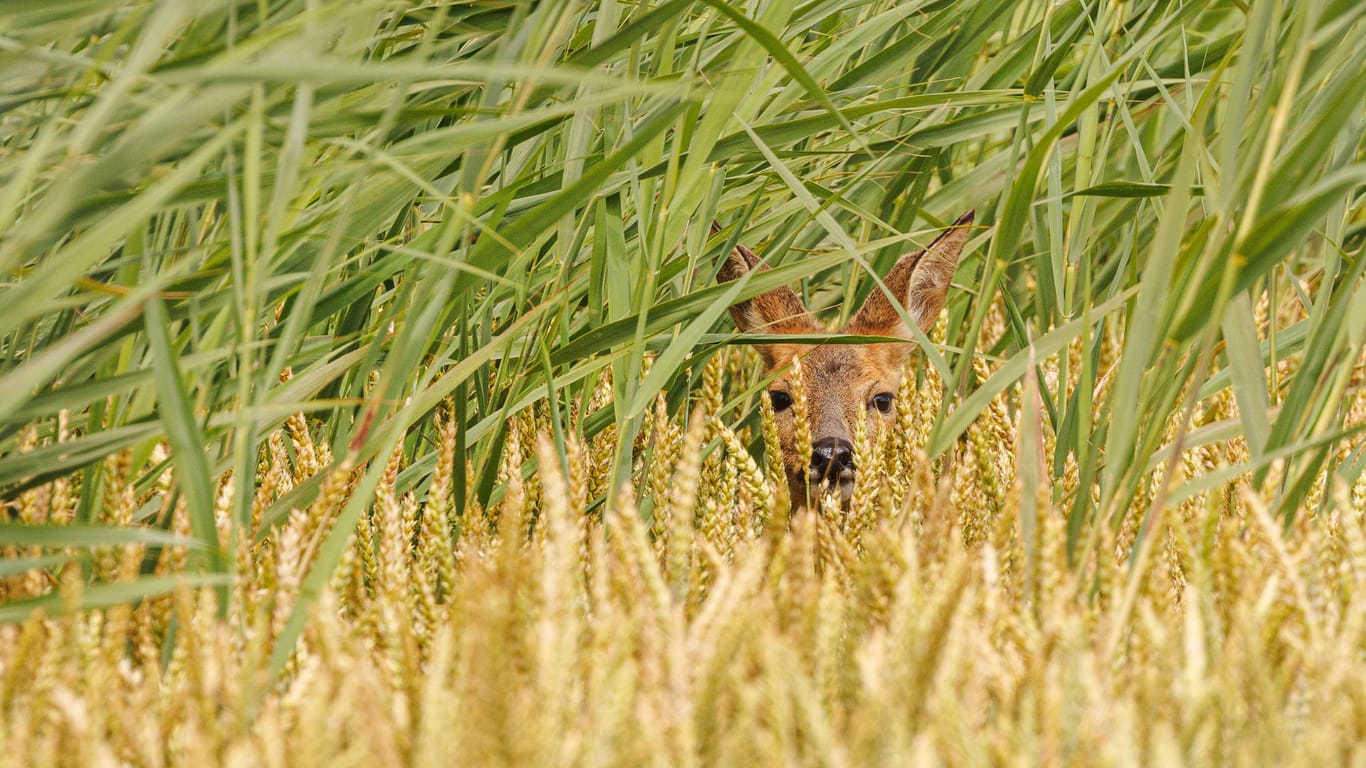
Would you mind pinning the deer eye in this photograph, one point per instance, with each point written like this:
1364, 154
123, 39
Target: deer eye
883, 401
781, 400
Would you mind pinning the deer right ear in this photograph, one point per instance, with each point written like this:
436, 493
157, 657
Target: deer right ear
919, 281
776, 311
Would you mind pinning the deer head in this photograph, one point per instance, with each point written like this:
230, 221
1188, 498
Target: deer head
842, 381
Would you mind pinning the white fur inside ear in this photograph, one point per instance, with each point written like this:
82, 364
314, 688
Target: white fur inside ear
924, 304
929, 283
752, 317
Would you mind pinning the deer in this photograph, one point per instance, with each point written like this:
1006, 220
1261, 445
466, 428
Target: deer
842, 380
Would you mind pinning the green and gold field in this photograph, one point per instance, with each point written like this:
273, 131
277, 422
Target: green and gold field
367, 396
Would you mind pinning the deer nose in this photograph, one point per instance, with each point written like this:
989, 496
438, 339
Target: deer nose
831, 456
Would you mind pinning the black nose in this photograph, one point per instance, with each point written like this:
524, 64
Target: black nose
831, 456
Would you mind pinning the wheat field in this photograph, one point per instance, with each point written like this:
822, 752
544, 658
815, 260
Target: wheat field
368, 397
921, 626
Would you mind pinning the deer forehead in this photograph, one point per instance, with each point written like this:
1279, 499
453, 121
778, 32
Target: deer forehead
845, 367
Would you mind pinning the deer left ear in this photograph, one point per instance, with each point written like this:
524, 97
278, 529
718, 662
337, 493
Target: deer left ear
920, 281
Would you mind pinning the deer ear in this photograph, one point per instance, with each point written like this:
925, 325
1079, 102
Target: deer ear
777, 311
920, 281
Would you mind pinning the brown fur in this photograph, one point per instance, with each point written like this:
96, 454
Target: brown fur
841, 380
777, 311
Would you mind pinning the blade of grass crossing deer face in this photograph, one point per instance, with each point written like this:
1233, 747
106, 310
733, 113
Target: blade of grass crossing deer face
842, 381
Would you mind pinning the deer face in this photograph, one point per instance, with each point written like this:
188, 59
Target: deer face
843, 382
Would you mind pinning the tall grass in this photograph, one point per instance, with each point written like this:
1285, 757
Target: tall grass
250, 249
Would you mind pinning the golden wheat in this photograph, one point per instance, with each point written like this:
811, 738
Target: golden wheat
724, 630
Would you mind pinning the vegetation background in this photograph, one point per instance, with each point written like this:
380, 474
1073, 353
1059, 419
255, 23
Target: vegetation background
333, 332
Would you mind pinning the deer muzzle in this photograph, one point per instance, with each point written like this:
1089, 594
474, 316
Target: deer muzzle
832, 460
